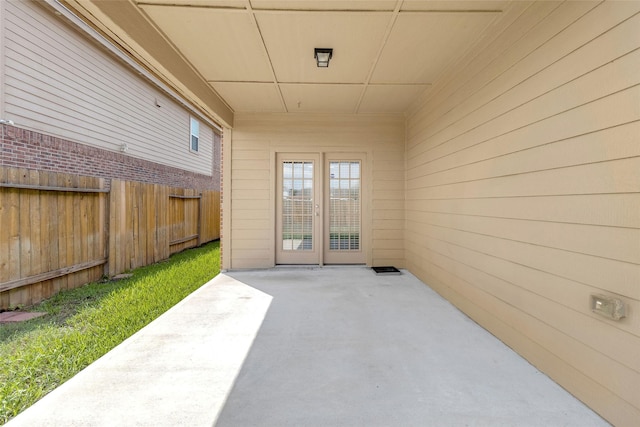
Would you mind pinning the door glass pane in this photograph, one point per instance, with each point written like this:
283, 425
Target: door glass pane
344, 206
297, 206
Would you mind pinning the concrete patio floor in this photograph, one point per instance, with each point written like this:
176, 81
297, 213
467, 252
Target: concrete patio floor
311, 347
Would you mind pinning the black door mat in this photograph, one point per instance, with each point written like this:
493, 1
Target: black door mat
386, 270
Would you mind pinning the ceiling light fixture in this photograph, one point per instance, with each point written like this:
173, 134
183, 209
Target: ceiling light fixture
322, 56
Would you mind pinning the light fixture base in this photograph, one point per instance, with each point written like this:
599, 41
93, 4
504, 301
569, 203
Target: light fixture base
322, 56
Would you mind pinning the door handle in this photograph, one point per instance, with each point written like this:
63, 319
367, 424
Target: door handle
317, 210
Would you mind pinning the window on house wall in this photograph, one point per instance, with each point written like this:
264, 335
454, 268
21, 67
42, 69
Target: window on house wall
195, 135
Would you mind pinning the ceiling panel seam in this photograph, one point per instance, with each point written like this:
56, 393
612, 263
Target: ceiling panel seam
266, 52
387, 33
198, 6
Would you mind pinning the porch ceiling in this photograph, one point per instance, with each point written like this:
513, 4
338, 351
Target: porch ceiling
257, 55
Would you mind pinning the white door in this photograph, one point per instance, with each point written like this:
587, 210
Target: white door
298, 216
343, 210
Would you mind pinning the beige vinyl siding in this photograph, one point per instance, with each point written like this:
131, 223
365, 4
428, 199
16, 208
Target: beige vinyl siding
523, 194
59, 83
256, 139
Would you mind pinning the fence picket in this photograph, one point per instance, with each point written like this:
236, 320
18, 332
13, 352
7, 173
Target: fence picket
24, 235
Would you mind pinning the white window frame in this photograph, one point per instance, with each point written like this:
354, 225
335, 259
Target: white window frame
194, 131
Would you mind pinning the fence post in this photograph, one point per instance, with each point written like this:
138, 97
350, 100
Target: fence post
199, 231
117, 227
104, 224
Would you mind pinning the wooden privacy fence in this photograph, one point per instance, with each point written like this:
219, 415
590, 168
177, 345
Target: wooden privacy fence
149, 222
60, 231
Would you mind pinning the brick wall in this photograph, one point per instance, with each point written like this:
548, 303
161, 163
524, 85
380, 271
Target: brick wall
32, 150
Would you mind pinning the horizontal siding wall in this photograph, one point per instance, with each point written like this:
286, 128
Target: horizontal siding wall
523, 194
257, 137
59, 83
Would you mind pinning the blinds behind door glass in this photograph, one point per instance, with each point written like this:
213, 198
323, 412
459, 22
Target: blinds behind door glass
297, 206
344, 205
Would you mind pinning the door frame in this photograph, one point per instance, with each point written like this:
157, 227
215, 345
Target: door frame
366, 193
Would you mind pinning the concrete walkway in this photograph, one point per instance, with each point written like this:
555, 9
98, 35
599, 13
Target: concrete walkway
310, 347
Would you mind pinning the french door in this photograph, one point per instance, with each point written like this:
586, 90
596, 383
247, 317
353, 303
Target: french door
319, 209
298, 209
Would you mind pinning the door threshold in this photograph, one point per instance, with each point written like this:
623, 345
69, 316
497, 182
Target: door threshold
320, 266
297, 266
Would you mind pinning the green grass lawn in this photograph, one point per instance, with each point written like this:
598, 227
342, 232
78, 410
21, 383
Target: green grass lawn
85, 323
